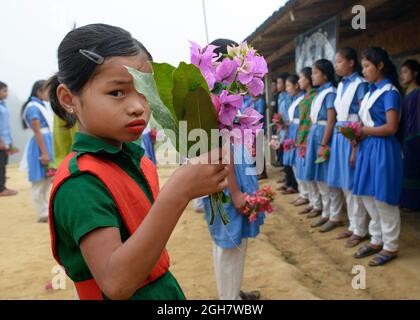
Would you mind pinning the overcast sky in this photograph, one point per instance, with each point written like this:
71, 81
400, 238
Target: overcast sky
31, 30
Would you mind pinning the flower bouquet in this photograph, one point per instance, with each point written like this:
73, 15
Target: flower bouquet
260, 202
351, 131
288, 145
50, 170
205, 95
323, 155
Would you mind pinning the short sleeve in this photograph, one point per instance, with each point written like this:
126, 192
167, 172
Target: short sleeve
361, 91
33, 113
83, 204
392, 100
329, 100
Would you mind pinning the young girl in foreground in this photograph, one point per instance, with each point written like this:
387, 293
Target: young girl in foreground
379, 169
109, 226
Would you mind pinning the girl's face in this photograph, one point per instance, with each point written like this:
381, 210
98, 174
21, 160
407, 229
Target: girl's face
318, 78
304, 82
109, 107
292, 89
4, 93
280, 85
43, 94
343, 67
407, 76
371, 72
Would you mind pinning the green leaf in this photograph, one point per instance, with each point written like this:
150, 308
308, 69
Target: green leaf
186, 78
320, 160
145, 84
163, 75
200, 114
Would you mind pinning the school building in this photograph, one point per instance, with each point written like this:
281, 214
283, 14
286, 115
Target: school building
303, 31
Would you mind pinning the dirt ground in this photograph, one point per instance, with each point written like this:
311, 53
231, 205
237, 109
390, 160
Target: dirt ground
288, 260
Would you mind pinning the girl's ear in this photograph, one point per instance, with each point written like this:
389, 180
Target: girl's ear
381, 66
66, 98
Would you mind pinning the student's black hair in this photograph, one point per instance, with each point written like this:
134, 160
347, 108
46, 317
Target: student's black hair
293, 79
377, 55
75, 70
222, 45
327, 68
414, 66
307, 72
2, 85
283, 76
351, 54
38, 85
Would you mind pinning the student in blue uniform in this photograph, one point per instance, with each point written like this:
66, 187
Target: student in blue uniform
230, 241
350, 93
289, 157
39, 150
5, 141
283, 103
379, 168
323, 120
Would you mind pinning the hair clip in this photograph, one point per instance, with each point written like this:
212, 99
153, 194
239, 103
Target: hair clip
92, 56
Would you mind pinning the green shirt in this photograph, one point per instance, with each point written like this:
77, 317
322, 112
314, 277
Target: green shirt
83, 203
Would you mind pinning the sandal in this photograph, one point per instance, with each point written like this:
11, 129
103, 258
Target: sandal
381, 259
366, 251
314, 213
283, 187
8, 192
305, 211
301, 202
289, 191
344, 235
321, 221
330, 225
354, 240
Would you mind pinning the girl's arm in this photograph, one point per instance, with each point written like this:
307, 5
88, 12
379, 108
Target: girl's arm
119, 268
332, 119
238, 197
388, 129
36, 127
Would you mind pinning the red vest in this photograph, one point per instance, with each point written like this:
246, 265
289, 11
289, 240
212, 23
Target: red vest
131, 201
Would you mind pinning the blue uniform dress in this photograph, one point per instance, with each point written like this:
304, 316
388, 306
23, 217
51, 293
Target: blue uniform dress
147, 145
313, 171
379, 166
230, 236
340, 173
5, 132
284, 103
36, 171
289, 157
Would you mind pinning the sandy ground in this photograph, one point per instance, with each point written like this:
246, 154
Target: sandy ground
288, 260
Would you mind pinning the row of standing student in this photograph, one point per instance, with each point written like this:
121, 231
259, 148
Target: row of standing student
366, 177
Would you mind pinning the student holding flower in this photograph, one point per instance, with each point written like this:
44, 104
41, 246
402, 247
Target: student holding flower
350, 94
111, 234
323, 120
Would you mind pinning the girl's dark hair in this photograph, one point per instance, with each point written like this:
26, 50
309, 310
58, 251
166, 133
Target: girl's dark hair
414, 66
377, 55
327, 68
222, 45
75, 70
283, 76
38, 85
2, 85
351, 54
307, 73
293, 79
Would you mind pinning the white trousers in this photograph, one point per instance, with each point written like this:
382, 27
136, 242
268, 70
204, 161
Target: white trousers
357, 214
303, 187
385, 224
40, 196
314, 195
229, 267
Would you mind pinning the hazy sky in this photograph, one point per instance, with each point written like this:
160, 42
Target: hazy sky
31, 30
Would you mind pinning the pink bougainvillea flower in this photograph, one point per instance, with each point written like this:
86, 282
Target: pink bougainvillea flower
249, 117
230, 104
226, 71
